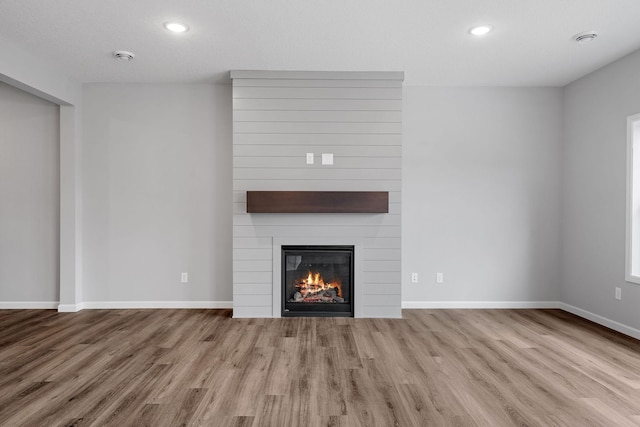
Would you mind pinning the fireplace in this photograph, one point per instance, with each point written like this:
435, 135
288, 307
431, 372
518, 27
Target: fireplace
317, 281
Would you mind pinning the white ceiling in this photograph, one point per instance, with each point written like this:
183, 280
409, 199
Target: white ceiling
427, 39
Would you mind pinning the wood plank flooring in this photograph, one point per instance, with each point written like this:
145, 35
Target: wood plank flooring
203, 368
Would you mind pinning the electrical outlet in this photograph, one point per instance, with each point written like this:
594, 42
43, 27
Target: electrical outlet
618, 293
414, 277
439, 277
184, 278
309, 158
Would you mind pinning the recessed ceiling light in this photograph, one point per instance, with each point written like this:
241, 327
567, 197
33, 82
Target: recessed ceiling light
176, 27
585, 37
123, 55
481, 30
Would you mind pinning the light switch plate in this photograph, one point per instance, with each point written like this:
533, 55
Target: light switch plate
327, 158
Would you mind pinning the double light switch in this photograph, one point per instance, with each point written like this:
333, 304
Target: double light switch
327, 158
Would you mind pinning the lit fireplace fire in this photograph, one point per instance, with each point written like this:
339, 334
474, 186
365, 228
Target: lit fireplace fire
314, 289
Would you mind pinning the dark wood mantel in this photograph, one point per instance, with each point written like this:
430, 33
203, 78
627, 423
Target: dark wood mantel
317, 202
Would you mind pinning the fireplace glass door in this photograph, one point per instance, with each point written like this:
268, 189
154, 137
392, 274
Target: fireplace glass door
317, 281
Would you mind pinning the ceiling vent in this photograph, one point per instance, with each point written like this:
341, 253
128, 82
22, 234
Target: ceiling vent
585, 37
123, 55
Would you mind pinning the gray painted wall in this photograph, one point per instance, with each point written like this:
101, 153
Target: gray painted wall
596, 108
19, 68
157, 192
277, 119
29, 209
467, 170
481, 194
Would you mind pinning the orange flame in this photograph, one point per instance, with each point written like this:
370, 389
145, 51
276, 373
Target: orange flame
314, 283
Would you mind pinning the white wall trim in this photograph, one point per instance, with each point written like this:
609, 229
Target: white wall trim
481, 304
611, 324
70, 308
631, 235
28, 305
156, 304
600, 320
70, 239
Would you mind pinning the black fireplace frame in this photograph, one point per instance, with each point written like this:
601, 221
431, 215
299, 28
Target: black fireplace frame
297, 309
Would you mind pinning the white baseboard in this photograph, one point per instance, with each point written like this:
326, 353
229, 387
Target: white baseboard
611, 324
600, 320
28, 305
70, 308
156, 304
481, 304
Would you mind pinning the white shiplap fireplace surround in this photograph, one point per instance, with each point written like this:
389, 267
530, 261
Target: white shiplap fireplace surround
279, 117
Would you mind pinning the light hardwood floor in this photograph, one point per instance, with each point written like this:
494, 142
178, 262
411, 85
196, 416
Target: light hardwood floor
201, 367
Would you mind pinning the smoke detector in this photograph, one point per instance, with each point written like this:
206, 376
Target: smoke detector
123, 55
585, 37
